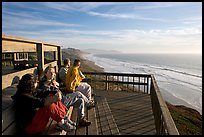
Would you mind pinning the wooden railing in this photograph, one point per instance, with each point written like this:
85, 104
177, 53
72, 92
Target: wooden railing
163, 120
119, 81
137, 83
14, 45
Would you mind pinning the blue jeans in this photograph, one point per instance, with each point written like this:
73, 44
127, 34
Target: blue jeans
77, 100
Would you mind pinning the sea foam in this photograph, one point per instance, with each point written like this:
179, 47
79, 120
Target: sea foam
180, 83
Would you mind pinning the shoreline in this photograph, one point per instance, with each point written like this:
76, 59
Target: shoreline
177, 102
90, 64
166, 96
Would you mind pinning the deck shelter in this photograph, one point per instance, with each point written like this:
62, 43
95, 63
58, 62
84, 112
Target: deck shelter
126, 104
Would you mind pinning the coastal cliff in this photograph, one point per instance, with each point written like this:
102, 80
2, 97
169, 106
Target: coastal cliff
187, 120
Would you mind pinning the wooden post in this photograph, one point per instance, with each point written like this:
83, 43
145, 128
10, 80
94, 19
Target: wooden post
133, 83
148, 85
40, 52
106, 82
59, 57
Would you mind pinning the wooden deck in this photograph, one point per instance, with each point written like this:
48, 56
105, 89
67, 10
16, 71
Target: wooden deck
116, 113
132, 112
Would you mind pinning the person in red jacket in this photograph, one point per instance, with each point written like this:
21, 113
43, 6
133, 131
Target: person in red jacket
33, 110
77, 99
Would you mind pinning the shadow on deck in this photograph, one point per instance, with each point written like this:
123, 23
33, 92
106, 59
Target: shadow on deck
131, 111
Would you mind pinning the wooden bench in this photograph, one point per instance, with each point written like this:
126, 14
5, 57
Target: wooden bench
88, 130
9, 125
8, 118
8, 121
51, 130
89, 114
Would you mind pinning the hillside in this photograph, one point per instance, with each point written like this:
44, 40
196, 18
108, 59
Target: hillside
86, 65
187, 120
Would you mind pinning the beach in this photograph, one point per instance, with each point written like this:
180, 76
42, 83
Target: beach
179, 80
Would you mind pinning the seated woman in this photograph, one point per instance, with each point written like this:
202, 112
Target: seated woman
76, 99
33, 110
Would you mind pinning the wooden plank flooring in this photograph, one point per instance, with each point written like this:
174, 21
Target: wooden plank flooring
105, 121
132, 112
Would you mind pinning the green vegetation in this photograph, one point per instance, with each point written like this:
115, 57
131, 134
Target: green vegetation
7, 63
188, 121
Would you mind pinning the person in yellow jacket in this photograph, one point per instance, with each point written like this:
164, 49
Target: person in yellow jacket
74, 78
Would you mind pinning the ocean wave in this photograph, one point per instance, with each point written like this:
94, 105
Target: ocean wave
179, 78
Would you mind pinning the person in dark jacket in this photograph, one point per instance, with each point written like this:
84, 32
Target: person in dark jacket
63, 71
33, 110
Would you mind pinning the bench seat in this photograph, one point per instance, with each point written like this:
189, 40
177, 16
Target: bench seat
8, 118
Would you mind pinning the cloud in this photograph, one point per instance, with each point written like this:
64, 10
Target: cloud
140, 41
34, 25
89, 7
123, 16
109, 15
76, 6
25, 20
157, 5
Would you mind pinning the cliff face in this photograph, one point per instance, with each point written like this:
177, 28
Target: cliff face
188, 121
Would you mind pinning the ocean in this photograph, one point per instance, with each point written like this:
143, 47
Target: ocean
179, 76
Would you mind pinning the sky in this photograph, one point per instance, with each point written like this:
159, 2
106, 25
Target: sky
129, 27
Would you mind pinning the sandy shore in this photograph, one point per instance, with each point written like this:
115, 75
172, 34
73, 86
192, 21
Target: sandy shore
88, 65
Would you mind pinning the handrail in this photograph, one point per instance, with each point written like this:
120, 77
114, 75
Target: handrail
13, 45
163, 121
18, 39
120, 80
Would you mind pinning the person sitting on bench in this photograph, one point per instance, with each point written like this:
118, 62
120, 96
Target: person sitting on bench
63, 71
73, 81
77, 99
33, 110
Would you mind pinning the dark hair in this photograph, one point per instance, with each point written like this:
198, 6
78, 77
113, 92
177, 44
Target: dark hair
76, 61
66, 61
27, 84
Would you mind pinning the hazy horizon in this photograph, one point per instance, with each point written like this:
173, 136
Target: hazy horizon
117, 52
128, 27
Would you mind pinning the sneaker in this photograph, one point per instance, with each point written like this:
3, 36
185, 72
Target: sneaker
84, 122
66, 126
69, 121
